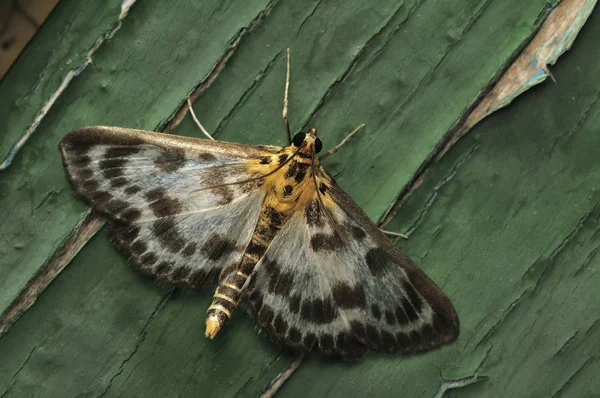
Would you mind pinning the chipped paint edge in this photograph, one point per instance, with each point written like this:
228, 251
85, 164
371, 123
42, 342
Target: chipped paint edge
528, 69
555, 37
71, 74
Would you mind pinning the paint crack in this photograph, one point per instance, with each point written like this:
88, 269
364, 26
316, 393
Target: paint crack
587, 260
436, 190
259, 376
433, 70
503, 317
247, 93
559, 392
584, 117
566, 344
141, 338
312, 12
71, 74
393, 32
51, 268
16, 374
177, 116
550, 261
346, 72
464, 382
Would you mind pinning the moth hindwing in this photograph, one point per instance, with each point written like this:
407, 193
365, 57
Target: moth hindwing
271, 226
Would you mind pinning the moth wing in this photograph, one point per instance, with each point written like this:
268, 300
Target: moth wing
156, 190
332, 282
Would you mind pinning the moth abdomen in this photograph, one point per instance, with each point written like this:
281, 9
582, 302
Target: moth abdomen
224, 302
232, 285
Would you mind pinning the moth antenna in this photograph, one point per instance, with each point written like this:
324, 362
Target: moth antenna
191, 108
285, 99
335, 148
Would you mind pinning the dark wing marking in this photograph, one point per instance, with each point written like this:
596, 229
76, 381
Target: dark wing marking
156, 190
332, 282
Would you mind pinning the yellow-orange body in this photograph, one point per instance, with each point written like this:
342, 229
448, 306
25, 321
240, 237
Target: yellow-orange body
293, 176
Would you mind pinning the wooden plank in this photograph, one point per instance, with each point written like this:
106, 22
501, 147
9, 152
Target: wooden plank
393, 70
508, 222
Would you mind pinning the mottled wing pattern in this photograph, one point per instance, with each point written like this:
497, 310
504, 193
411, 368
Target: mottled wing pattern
156, 190
332, 282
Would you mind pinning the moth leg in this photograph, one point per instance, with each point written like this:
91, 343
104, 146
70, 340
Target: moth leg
191, 108
285, 99
335, 148
394, 234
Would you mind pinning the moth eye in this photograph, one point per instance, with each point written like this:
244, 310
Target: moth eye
298, 139
318, 145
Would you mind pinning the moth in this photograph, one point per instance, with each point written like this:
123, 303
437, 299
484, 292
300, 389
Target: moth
271, 227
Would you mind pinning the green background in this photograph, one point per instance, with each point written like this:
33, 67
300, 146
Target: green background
507, 222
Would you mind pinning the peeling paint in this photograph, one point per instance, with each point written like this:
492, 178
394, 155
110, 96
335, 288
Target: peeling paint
448, 382
72, 74
464, 382
460, 383
555, 37
141, 338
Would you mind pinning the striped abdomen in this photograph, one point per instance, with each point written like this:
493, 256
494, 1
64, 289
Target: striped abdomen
230, 289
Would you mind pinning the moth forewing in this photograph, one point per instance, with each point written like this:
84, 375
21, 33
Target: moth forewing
156, 191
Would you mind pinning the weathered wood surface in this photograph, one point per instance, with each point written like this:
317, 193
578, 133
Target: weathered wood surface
505, 222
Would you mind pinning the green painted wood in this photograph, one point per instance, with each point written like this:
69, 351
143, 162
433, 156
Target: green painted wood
61, 44
94, 331
29, 199
409, 70
138, 80
508, 223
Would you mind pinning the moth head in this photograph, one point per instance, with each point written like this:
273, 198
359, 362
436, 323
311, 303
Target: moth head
308, 141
